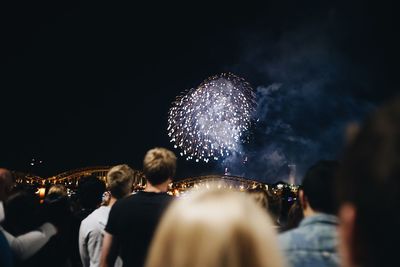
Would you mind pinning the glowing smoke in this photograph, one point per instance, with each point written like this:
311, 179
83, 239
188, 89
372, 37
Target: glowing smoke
310, 95
211, 121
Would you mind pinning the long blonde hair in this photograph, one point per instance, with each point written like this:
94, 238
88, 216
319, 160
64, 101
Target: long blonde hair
215, 228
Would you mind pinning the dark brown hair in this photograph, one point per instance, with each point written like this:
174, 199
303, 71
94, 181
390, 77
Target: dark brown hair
369, 179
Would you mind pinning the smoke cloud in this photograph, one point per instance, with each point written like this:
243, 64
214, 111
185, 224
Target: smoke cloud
306, 97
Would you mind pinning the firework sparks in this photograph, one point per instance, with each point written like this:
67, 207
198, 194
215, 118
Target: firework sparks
210, 121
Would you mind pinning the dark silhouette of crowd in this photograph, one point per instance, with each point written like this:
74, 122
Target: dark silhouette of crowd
345, 213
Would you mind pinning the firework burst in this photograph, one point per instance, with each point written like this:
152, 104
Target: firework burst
211, 121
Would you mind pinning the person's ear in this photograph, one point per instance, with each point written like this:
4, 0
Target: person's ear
303, 199
347, 217
352, 130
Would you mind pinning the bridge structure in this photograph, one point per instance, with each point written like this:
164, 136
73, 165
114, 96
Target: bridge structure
26, 178
221, 181
71, 178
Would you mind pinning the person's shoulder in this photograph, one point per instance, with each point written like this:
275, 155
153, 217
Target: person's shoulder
165, 196
292, 238
148, 195
285, 236
93, 216
124, 202
162, 199
100, 213
88, 218
86, 225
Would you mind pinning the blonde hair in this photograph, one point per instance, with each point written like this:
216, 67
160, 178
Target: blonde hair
120, 180
58, 189
215, 228
159, 165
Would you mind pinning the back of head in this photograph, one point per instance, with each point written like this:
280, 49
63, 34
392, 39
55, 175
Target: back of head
274, 207
318, 186
120, 180
56, 207
90, 191
21, 213
159, 165
294, 217
58, 189
213, 228
369, 180
6, 183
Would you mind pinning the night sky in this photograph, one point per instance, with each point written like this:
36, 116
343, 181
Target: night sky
90, 83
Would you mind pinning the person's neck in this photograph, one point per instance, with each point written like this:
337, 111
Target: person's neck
160, 188
112, 201
308, 211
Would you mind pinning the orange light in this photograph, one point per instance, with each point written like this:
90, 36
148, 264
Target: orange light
42, 192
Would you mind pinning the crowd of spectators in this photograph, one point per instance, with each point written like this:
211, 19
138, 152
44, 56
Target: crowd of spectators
339, 217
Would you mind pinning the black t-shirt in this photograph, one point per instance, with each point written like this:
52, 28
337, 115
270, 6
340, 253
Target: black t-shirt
132, 222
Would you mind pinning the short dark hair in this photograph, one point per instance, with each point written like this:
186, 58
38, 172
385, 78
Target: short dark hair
90, 191
318, 186
369, 179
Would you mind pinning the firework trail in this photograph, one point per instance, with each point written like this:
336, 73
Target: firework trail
209, 122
